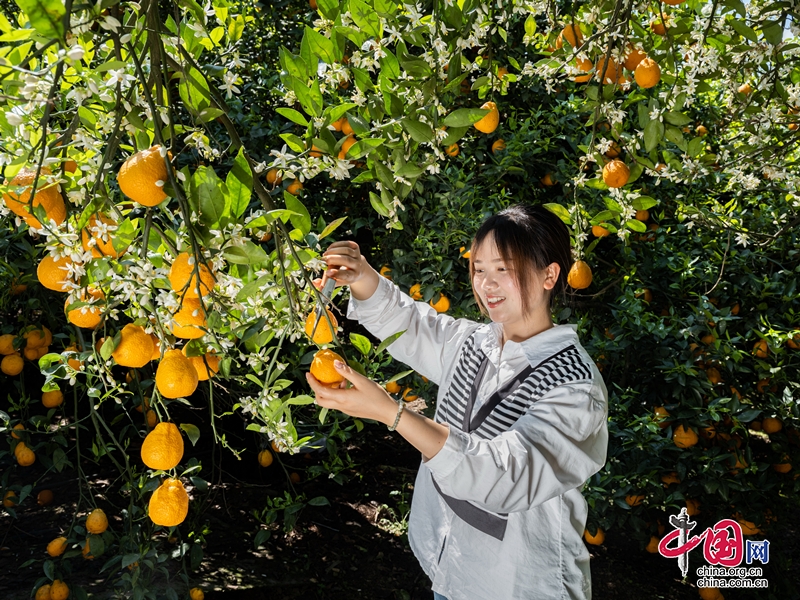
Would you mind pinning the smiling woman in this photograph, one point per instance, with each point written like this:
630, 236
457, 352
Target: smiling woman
520, 419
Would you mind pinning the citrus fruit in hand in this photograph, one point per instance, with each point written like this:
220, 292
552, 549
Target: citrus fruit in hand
323, 334
135, 348
169, 504
140, 175
322, 368
163, 447
175, 375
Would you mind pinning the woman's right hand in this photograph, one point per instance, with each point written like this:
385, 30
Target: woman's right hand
347, 266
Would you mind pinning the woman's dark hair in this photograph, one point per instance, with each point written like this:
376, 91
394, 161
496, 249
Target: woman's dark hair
531, 237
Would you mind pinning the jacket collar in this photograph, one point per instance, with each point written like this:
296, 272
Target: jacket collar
537, 348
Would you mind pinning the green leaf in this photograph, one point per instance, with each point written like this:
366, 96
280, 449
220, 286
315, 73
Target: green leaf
363, 147
674, 135
636, 225
319, 501
192, 432
361, 343
310, 98
676, 118
773, 32
366, 19
419, 132
375, 200
328, 8
388, 341
210, 197
240, 184
194, 91
743, 30
453, 135
644, 203
209, 114
331, 227
248, 254
464, 117
293, 115
301, 219
293, 64
559, 211
696, 147
530, 25
129, 559
294, 142
653, 133
320, 45
46, 16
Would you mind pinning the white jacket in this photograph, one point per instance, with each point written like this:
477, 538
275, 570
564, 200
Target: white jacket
498, 513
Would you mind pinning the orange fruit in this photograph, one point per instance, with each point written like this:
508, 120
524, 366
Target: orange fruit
169, 504
498, 146
57, 546
745, 89
183, 276
491, 120
642, 215
151, 418
761, 349
175, 375
346, 129
88, 316
771, 425
633, 58
135, 348
206, 367
25, 456
580, 275
596, 539
7, 344
793, 342
659, 25
52, 399
96, 522
652, 545
692, 507
441, 305
294, 187
59, 590
43, 593
585, 65
660, 417
408, 396
197, 593
572, 34
44, 498
701, 130
156, 347
323, 334
714, 376
87, 551
392, 387
710, 594
265, 458
452, 150
47, 196
748, 527
616, 173
189, 320
10, 499
12, 364
782, 467
162, 449
609, 68
600, 231
763, 385
346, 145
54, 274
683, 437
139, 175
386, 272
322, 368
16, 427
315, 152
273, 178
462, 253
100, 242
38, 337
415, 292
295, 477
670, 478
647, 73
634, 499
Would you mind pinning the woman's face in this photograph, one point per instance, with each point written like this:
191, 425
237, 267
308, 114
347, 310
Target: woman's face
496, 284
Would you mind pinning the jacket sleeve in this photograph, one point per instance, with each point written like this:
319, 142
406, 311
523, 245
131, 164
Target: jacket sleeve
555, 447
431, 340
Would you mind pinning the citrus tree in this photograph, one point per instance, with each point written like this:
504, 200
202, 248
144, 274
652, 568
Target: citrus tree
173, 171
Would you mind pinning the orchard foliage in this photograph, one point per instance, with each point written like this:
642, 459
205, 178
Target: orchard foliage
372, 106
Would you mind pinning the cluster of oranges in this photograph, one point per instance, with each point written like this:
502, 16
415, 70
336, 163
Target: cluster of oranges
37, 340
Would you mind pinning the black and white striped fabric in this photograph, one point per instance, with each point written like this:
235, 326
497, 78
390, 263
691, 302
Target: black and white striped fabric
503, 408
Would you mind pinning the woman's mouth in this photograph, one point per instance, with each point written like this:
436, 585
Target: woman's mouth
494, 301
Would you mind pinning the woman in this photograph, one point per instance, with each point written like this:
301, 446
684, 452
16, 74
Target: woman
520, 421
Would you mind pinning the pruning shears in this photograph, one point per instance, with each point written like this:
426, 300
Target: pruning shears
327, 290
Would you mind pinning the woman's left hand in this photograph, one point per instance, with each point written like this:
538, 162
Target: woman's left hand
365, 399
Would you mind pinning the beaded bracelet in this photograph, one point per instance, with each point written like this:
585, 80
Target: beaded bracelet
400, 406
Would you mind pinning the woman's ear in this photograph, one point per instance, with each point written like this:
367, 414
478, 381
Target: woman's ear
551, 273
